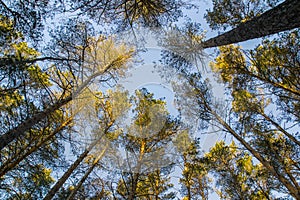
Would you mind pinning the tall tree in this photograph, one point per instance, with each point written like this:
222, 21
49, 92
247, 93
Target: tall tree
209, 112
270, 73
230, 13
96, 64
147, 162
23, 91
194, 180
236, 174
109, 110
280, 18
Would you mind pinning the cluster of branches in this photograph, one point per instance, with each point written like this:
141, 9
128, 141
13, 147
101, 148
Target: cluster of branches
49, 96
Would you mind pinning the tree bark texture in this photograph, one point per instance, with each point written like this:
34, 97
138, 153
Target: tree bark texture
285, 16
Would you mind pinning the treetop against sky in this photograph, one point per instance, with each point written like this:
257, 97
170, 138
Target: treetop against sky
71, 129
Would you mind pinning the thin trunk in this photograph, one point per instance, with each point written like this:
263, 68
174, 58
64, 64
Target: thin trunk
87, 173
67, 174
136, 175
22, 128
202, 186
155, 185
132, 193
12, 163
293, 191
189, 191
283, 17
291, 137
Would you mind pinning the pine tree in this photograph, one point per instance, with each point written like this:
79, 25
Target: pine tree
280, 18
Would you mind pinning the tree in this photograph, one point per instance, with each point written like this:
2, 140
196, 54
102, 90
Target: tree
231, 13
128, 13
23, 91
94, 67
194, 180
29, 182
12, 162
108, 116
28, 16
265, 81
265, 24
209, 113
273, 67
236, 174
147, 162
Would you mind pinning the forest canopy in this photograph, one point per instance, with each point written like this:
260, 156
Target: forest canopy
70, 130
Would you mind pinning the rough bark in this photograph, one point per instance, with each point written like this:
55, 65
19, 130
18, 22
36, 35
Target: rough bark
283, 17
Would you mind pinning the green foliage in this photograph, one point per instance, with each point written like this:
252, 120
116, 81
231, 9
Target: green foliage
260, 81
23, 84
27, 183
237, 177
195, 181
272, 68
63, 78
155, 185
145, 141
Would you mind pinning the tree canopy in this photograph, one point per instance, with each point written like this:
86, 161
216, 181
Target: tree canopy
70, 130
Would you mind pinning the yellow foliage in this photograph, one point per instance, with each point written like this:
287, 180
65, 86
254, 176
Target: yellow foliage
230, 58
103, 51
243, 100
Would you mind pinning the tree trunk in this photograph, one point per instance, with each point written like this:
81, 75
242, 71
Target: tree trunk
291, 188
67, 174
136, 174
133, 188
87, 173
290, 136
283, 17
21, 129
11, 163
189, 192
